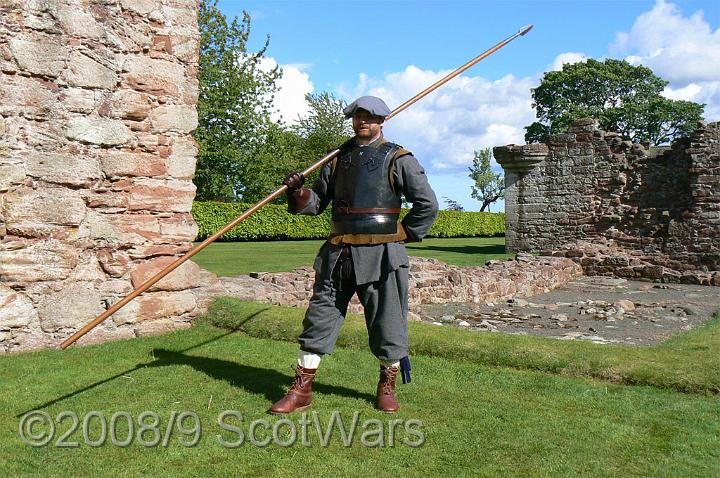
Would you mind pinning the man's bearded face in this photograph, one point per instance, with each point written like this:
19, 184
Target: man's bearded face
367, 125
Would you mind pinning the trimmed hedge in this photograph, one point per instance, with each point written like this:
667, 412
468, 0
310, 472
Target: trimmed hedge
273, 222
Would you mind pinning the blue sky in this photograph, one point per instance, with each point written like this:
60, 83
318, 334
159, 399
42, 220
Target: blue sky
395, 49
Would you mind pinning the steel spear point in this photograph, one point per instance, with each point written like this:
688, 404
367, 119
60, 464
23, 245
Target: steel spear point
525, 29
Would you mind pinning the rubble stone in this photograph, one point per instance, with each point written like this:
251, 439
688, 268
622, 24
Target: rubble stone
16, 309
431, 282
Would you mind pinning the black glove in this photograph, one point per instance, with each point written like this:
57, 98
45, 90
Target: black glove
297, 196
294, 181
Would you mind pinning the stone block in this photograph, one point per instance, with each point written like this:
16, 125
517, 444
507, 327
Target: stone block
130, 104
42, 56
154, 76
180, 118
143, 252
186, 276
72, 169
115, 289
115, 262
129, 36
39, 16
158, 305
35, 213
161, 195
181, 4
71, 308
178, 228
79, 100
11, 173
108, 201
182, 160
26, 261
186, 48
78, 23
30, 97
16, 309
117, 164
161, 45
88, 269
178, 17
97, 130
653, 272
190, 90
141, 7
86, 72
129, 314
120, 229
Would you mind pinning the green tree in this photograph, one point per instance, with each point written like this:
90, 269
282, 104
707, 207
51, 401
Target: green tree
234, 104
622, 97
281, 151
489, 186
325, 126
286, 149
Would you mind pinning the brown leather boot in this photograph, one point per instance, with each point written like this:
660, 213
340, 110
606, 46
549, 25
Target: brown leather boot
299, 397
386, 400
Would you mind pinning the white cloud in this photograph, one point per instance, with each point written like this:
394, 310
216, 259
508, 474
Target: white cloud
689, 93
681, 49
446, 127
678, 48
568, 57
707, 92
292, 87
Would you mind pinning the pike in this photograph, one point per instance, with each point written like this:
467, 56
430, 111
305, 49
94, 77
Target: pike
321, 162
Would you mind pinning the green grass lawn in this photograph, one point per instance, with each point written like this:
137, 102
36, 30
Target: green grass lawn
688, 362
481, 404
234, 258
475, 420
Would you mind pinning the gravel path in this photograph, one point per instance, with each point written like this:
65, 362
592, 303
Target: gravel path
599, 309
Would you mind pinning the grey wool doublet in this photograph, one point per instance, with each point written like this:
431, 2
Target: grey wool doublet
380, 271
372, 261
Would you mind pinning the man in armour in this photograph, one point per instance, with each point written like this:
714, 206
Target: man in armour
365, 253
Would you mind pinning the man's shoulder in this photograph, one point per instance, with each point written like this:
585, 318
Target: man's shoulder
400, 152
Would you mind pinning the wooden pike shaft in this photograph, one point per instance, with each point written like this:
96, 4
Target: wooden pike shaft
150, 282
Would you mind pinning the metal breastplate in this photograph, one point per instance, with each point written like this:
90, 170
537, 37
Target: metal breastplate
364, 201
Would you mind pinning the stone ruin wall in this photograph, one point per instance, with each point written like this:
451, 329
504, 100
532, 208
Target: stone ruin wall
617, 207
97, 105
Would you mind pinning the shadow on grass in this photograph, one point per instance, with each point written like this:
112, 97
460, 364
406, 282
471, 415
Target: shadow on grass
257, 380
489, 249
117, 375
141, 365
268, 382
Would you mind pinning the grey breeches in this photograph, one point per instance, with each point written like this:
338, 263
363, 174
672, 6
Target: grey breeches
385, 302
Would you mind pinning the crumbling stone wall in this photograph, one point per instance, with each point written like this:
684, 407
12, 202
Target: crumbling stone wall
431, 282
647, 212
97, 105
